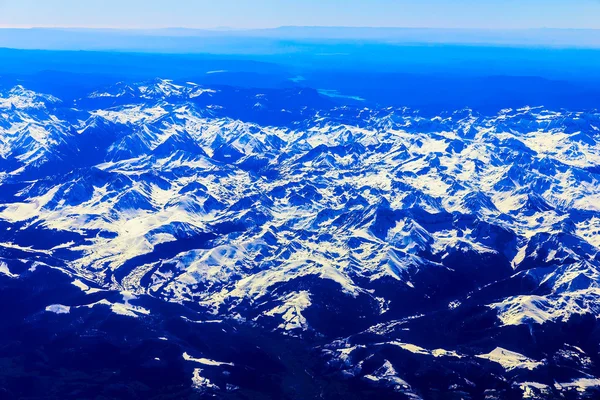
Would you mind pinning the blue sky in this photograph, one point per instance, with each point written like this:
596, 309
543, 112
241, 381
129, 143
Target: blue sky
273, 13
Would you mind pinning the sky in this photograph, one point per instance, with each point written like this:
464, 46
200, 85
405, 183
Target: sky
244, 14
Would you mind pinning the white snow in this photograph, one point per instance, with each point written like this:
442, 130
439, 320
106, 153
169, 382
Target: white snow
58, 309
206, 361
510, 360
291, 311
202, 383
5, 271
581, 384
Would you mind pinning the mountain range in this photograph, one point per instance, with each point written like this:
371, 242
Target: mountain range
165, 238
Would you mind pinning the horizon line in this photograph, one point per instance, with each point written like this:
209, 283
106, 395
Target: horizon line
241, 29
